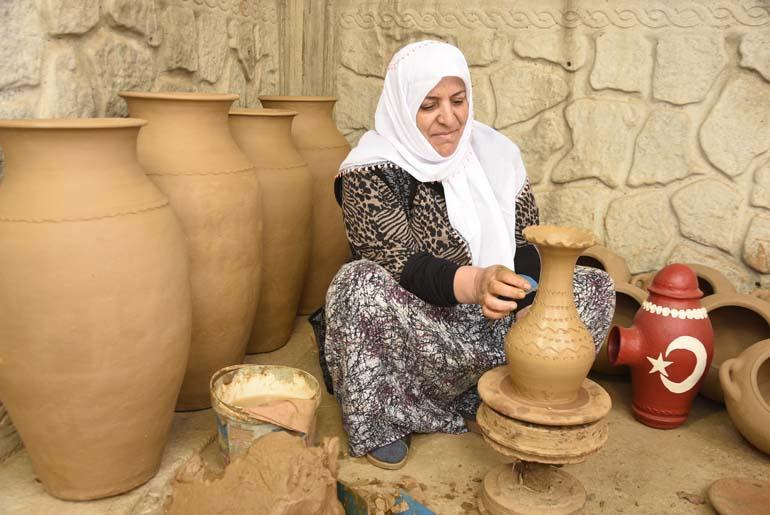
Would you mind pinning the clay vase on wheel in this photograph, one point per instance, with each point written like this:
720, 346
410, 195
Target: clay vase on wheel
188, 151
746, 384
95, 303
549, 355
264, 135
323, 148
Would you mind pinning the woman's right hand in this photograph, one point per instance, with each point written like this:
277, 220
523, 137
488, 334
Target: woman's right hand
495, 288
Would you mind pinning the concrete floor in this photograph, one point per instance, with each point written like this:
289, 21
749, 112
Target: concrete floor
640, 470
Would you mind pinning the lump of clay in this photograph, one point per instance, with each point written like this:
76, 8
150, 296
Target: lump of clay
278, 476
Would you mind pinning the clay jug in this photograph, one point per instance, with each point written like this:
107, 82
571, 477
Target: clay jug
550, 351
323, 148
739, 321
668, 348
95, 303
264, 135
746, 384
188, 151
628, 300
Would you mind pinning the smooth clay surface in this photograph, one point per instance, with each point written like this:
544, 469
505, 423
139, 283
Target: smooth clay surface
278, 475
323, 148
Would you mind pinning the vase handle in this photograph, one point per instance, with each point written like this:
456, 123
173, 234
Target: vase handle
726, 371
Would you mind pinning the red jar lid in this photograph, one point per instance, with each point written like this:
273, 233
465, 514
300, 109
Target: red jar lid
677, 281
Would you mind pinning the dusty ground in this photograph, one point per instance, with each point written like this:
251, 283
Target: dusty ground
640, 470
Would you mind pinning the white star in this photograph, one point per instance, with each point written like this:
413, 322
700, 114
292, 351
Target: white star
659, 364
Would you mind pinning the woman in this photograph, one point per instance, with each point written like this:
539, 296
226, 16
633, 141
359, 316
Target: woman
434, 204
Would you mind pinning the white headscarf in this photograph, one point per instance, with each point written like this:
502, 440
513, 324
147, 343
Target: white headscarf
481, 178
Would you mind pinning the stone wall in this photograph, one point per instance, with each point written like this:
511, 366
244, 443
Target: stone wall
647, 122
70, 58
644, 121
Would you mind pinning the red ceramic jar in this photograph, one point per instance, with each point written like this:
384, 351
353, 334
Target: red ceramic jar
668, 347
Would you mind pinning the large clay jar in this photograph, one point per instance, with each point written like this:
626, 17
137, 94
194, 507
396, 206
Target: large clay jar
550, 351
669, 348
746, 385
628, 300
739, 322
264, 135
603, 258
95, 303
323, 148
188, 151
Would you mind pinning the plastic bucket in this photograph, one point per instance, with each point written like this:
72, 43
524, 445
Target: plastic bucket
237, 429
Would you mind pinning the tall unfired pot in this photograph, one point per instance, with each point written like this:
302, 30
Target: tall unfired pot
189, 153
95, 303
264, 135
323, 147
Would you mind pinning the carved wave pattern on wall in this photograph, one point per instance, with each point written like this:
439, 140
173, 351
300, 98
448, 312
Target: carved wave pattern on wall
722, 16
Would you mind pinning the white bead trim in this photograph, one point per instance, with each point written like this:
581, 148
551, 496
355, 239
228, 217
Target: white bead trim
691, 314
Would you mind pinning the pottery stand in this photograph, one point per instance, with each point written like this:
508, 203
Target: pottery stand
540, 409
537, 436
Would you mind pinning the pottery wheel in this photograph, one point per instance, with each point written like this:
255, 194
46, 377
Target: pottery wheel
540, 443
525, 488
496, 389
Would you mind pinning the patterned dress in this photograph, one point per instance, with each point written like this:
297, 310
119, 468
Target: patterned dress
396, 363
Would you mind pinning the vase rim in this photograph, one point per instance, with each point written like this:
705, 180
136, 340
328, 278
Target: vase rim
298, 98
265, 111
561, 236
71, 123
180, 95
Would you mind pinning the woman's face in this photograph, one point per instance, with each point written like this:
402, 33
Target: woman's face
442, 115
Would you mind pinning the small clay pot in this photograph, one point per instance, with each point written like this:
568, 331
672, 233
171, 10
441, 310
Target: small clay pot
603, 258
739, 321
745, 382
628, 300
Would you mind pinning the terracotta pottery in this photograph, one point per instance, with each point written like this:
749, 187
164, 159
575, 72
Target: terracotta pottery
603, 258
188, 151
628, 300
264, 135
323, 148
549, 356
746, 384
740, 496
668, 348
95, 303
739, 322
710, 280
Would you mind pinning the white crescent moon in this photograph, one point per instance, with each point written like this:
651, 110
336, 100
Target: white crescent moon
695, 346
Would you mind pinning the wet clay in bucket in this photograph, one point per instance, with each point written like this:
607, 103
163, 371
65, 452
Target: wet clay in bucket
250, 401
745, 382
739, 321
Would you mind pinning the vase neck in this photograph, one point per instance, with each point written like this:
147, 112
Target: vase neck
266, 140
557, 269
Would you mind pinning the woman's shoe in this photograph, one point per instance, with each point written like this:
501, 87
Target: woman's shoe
392, 456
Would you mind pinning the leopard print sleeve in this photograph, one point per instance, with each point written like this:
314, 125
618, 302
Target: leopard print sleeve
526, 212
376, 222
